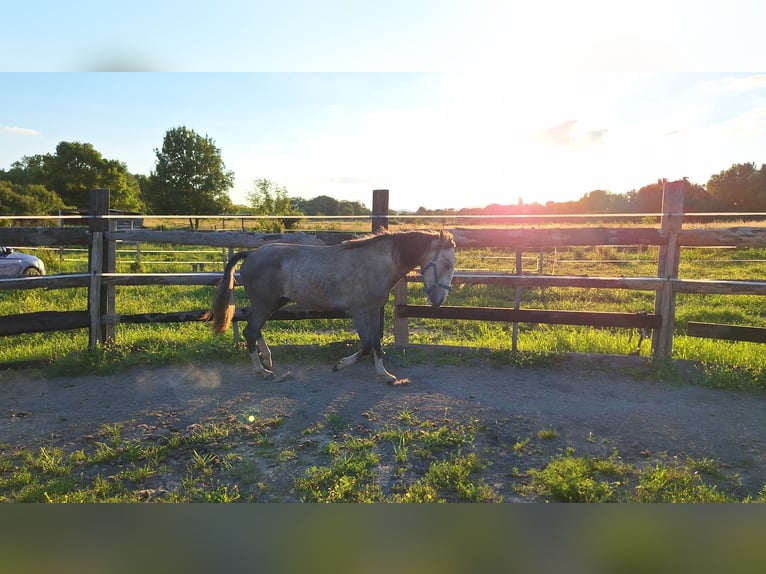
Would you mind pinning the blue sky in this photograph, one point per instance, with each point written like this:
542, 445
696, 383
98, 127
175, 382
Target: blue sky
447, 104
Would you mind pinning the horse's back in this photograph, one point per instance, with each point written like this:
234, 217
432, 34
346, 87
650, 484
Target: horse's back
317, 276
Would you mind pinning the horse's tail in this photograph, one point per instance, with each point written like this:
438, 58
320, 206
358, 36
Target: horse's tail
222, 311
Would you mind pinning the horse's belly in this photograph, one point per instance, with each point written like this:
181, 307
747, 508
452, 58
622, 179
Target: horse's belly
331, 295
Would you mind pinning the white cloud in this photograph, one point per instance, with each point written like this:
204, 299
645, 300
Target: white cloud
20, 131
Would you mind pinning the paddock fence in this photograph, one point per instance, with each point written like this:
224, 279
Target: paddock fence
101, 235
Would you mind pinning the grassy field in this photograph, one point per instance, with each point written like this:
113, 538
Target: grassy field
728, 364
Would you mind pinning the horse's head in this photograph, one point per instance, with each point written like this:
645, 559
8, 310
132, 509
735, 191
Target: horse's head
437, 267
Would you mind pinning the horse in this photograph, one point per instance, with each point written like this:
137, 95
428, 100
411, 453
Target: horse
355, 276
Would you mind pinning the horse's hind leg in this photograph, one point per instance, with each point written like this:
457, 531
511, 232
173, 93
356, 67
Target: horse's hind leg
260, 354
347, 361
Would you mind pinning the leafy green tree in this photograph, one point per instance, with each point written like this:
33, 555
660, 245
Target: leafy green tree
698, 200
73, 171
647, 199
31, 199
326, 205
189, 177
319, 205
76, 168
29, 169
742, 187
597, 201
268, 198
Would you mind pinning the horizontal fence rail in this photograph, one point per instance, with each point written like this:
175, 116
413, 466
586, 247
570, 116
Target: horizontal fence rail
98, 237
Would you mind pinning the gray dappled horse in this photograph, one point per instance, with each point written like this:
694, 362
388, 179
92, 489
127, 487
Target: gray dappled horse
355, 276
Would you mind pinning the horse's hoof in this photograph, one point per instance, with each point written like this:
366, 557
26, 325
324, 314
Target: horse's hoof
387, 378
268, 375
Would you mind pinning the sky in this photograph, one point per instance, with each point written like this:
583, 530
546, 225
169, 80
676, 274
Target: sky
446, 104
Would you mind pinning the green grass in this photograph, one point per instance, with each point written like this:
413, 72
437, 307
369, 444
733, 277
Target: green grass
571, 478
733, 365
407, 460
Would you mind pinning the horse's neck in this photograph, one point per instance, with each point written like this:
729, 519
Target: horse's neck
407, 263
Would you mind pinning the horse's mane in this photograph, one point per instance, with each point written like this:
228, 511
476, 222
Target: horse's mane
407, 245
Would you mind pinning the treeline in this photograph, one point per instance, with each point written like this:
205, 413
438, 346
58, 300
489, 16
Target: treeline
190, 178
741, 188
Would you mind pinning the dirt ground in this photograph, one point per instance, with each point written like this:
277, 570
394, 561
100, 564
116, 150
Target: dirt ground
596, 405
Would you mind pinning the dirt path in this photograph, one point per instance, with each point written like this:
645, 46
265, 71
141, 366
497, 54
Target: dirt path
596, 405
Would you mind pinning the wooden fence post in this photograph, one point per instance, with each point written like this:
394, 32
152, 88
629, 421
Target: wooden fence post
379, 210
401, 324
667, 267
380, 223
95, 256
103, 259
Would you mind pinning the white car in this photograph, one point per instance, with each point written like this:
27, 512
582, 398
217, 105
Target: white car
15, 264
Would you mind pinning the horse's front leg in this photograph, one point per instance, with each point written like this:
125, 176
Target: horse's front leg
380, 369
369, 327
376, 335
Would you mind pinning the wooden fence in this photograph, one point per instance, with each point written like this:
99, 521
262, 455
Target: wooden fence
101, 236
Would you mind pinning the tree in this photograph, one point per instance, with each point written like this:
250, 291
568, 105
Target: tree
73, 171
648, 199
597, 201
268, 198
189, 177
29, 169
32, 199
742, 187
326, 205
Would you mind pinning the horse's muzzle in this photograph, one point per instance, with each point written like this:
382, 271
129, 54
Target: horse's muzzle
437, 298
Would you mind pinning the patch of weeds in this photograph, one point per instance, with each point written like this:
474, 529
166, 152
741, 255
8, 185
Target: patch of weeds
401, 450
759, 498
407, 417
114, 469
568, 478
664, 483
433, 439
204, 463
729, 377
547, 434
706, 465
209, 433
287, 454
138, 473
218, 493
350, 477
521, 446
111, 432
53, 461
452, 479
334, 422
